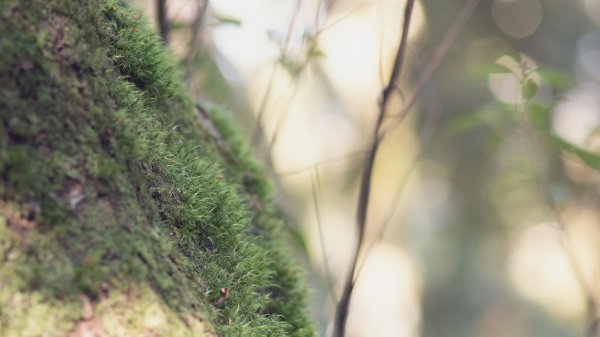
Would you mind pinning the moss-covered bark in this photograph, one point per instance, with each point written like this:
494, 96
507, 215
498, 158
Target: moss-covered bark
123, 209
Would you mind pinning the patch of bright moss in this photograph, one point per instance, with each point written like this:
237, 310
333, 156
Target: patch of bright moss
101, 150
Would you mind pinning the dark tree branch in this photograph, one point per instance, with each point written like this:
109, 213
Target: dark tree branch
341, 313
196, 32
379, 134
163, 21
434, 62
432, 120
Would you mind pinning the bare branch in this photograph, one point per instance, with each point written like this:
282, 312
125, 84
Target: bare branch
316, 183
196, 32
591, 329
258, 137
163, 22
281, 120
328, 161
341, 314
379, 134
429, 127
356, 8
434, 62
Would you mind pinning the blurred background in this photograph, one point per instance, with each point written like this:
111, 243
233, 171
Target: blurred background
484, 217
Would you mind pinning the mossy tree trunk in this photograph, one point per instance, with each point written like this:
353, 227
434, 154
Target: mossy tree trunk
124, 210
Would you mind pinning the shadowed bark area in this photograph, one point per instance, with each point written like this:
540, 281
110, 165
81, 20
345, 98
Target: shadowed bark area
123, 210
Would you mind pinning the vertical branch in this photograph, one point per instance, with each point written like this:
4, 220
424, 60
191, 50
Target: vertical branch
431, 123
258, 137
434, 62
163, 21
281, 120
196, 32
316, 183
592, 320
341, 314
380, 133
591, 329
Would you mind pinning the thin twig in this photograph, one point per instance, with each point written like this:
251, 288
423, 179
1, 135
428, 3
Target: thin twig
196, 30
163, 20
328, 161
315, 196
258, 136
281, 120
347, 14
258, 129
429, 127
380, 133
341, 314
591, 329
439, 54
318, 16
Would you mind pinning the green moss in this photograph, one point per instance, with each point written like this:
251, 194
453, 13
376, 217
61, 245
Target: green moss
103, 157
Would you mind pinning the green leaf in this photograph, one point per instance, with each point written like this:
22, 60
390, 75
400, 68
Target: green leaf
229, 20
539, 116
290, 66
315, 53
495, 138
529, 89
590, 158
555, 77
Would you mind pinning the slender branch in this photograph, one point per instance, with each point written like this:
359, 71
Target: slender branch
281, 120
592, 305
429, 126
328, 161
354, 9
439, 54
315, 196
318, 16
259, 130
591, 329
196, 32
163, 21
341, 314
380, 133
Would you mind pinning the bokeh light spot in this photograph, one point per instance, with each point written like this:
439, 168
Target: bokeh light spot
517, 18
540, 270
